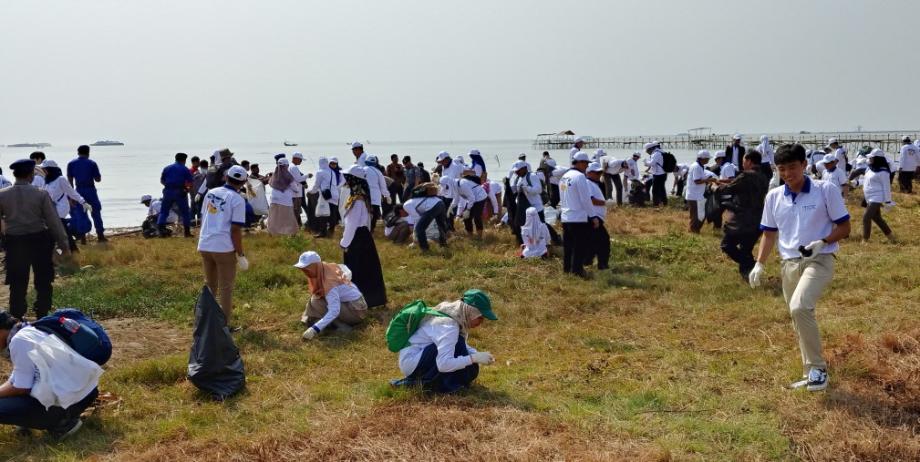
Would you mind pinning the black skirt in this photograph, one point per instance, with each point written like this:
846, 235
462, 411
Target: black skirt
362, 259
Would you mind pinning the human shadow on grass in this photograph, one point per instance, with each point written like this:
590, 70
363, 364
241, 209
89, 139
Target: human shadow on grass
475, 396
895, 415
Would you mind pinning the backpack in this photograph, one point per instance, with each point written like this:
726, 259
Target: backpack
89, 339
424, 190
406, 322
669, 162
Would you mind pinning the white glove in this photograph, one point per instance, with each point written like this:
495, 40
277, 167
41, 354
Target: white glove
309, 334
198, 197
815, 248
466, 214
755, 275
483, 357
889, 205
87, 208
242, 262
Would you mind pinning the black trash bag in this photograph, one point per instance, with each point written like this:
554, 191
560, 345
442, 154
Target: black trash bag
214, 364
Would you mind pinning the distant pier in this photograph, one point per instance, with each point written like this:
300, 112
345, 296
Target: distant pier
888, 141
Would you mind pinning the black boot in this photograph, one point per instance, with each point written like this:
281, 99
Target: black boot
188, 232
163, 232
101, 238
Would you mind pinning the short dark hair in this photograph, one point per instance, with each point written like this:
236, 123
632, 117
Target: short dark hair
83, 150
181, 157
789, 153
7, 321
407, 159
204, 164
195, 158
235, 182
754, 156
394, 157
245, 164
37, 155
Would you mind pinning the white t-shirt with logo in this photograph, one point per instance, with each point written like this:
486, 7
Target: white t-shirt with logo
222, 207
693, 191
805, 217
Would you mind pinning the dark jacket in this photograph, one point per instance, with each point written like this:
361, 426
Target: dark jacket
728, 154
748, 191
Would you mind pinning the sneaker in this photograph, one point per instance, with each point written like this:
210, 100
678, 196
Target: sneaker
67, 428
800, 384
817, 379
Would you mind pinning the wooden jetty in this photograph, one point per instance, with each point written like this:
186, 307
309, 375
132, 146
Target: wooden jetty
702, 138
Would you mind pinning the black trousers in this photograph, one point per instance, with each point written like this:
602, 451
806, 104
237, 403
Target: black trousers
659, 195
554, 195
24, 253
740, 248
475, 217
438, 214
600, 245
305, 206
576, 242
70, 237
617, 187
874, 213
906, 180
310, 201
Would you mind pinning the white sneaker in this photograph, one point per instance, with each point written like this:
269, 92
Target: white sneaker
800, 384
817, 379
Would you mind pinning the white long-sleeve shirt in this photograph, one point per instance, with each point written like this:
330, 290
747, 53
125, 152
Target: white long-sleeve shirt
377, 185
728, 171
60, 191
443, 332
556, 176
877, 186
354, 218
656, 163
494, 188
323, 180
283, 196
334, 298
909, 158
597, 211
632, 170
468, 193
531, 186
296, 187
574, 197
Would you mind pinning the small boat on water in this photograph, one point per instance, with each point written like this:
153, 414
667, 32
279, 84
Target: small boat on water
107, 143
29, 145
288, 143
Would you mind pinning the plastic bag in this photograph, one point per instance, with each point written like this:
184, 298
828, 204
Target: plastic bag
214, 363
322, 207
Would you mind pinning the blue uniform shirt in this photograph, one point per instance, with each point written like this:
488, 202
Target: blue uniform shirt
175, 176
84, 172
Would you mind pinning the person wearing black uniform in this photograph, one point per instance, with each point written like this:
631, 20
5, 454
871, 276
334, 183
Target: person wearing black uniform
742, 228
31, 227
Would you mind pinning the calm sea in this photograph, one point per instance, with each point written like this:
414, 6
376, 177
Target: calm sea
130, 171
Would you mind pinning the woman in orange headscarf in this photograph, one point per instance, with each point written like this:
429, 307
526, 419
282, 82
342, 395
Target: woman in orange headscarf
333, 298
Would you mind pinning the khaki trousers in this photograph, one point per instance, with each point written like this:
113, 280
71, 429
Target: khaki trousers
351, 313
220, 275
803, 283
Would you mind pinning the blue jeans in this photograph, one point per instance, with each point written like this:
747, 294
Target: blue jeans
178, 197
428, 375
26, 411
91, 198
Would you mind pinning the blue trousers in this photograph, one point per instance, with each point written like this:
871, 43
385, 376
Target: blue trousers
438, 213
431, 378
26, 411
89, 194
179, 198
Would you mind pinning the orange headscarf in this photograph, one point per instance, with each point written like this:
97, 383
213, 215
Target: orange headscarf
330, 275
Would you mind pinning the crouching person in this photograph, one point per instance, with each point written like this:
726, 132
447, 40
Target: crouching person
50, 385
437, 356
333, 298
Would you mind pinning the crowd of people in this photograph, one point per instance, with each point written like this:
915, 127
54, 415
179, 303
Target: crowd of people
787, 197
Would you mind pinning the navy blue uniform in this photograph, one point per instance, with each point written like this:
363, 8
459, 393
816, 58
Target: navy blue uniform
174, 178
84, 173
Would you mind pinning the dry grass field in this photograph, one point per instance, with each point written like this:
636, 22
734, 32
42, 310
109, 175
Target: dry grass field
669, 356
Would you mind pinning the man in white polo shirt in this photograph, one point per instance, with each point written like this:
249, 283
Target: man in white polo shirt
909, 159
835, 175
807, 218
576, 202
659, 176
220, 243
697, 179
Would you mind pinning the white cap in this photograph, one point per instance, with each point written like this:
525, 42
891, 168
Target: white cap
474, 152
830, 158
737, 136
283, 162
238, 173
518, 165
580, 139
356, 170
831, 141
637, 154
145, 198
306, 259
53, 164
704, 154
443, 155
595, 167
522, 156
372, 158
653, 144
333, 160
720, 154
580, 156
876, 153
297, 155
356, 144
600, 152
459, 159
551, 162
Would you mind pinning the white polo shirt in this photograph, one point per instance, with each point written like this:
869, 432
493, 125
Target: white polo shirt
597, 211
804, 217
574, 197
693, 191
657, 163
222, 207
838, 177
613, 166
910, 158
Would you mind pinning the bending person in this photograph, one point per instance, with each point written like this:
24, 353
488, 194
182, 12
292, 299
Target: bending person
438, 357
333, 298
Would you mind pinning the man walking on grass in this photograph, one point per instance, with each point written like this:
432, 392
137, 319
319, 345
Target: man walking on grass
807, 218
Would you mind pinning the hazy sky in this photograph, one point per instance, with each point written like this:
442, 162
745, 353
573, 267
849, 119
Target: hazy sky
215, 71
